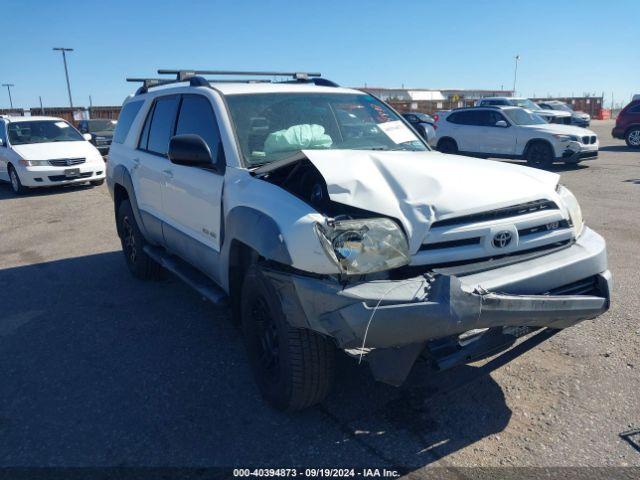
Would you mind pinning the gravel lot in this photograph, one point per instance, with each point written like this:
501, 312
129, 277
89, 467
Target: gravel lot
98, 369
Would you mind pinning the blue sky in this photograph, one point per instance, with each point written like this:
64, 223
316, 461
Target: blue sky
571, 46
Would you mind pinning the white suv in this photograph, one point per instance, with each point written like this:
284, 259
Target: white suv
328, 224
512, 132
46, 151
550, 115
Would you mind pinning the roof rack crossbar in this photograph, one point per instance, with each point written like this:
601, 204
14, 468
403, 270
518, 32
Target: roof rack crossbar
184, 74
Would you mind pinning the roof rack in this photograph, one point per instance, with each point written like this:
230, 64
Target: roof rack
147, 83
306, 77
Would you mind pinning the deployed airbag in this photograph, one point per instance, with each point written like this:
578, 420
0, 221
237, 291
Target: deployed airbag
297, 137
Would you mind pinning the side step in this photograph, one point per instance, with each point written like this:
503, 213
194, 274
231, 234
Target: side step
192, 277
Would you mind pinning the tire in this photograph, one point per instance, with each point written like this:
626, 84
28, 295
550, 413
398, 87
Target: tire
293, 367
633, 138
14, 181
140, 264
448, 145
97, 183
539, 155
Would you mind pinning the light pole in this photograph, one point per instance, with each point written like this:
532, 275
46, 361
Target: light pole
66, 71
9, 85
515, 73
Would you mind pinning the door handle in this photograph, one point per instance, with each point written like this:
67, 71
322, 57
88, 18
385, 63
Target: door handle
168, 173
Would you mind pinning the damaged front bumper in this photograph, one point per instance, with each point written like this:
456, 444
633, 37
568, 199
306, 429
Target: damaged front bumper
556, 290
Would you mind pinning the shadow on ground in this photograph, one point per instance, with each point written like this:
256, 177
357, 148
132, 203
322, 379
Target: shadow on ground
619, 148
99, 369
6, 192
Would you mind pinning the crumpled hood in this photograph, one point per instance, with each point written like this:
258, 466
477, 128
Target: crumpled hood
558, 128
53, 150
418, 188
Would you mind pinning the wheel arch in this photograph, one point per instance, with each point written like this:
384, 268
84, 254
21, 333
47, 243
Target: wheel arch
631, 127
537, 140
122, 188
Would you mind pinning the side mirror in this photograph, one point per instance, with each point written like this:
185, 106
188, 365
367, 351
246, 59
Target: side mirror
190, 150
87, 136
502, 123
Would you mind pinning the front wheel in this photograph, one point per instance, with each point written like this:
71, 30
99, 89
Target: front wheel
293, 367
540, 155
140, 264
16, 184
633, 137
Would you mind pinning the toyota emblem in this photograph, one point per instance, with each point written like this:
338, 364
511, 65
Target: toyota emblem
502, 239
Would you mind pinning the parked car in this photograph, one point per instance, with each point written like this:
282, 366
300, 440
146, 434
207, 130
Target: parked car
359, 239
423, 123
46, 151
628, 124
516, 133
551, 116
101, 131
581, 119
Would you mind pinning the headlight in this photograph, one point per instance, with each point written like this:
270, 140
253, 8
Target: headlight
572, 205
567, 138
364, 246
34, 163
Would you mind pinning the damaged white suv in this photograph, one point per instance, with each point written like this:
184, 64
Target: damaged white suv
328, 224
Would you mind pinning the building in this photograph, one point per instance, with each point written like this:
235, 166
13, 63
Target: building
430, 100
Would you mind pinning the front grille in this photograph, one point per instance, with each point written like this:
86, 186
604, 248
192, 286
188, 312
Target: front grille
67, 162
589, 139
521, 209
60, 178
450, 244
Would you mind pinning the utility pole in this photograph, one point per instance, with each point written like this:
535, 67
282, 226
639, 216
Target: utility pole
9, 85
515, 73
66, 71
41, 108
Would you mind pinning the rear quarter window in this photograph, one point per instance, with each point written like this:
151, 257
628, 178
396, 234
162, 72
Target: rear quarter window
127, 115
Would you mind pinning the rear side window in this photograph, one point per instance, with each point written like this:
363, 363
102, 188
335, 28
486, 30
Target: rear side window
162, 124
470, 117
127, 115
197, 117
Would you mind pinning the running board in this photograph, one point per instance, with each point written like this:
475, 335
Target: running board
189, 275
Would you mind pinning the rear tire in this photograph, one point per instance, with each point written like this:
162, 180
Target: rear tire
539, 155
293, 367
633, 137
448, 145
16, 184
140, 264
97, 183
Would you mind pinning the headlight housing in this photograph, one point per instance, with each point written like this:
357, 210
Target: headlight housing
364, 246
566, 138
575, 212
34, 163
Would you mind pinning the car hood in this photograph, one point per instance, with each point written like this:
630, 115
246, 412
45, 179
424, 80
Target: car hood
53, 150
418, 188
557, 128
103, 133
552, 113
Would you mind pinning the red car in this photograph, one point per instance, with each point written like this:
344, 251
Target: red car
628, 124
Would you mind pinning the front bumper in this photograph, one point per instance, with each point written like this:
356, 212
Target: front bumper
575, 152
387, 314
49, 176
617, 133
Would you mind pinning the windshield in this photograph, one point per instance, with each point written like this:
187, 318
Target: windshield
42, 131
102, 125
523, 117
525, 103
271, 126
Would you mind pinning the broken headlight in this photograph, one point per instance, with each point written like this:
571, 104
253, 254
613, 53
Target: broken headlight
364, 246
573, 207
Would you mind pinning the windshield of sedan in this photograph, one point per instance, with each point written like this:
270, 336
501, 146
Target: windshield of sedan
525, 103
520, 116
42, 131
102, 125
272, 126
